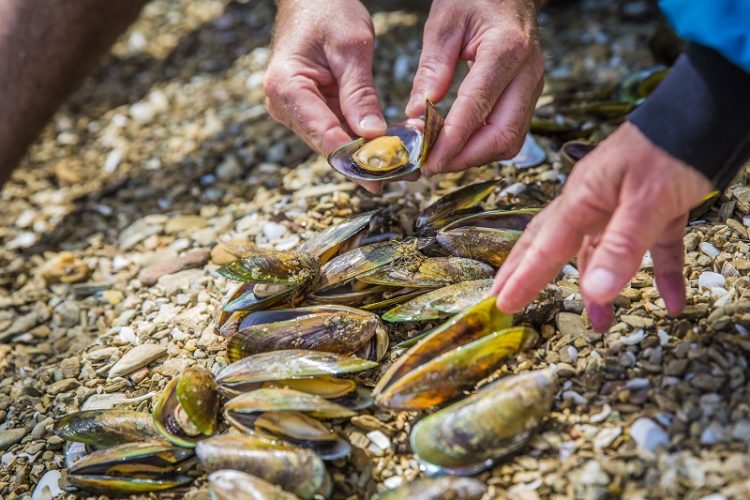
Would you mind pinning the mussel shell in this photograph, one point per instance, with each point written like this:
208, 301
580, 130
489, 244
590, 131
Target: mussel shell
397, 296
106, 427
325, 386
530, 155
288, 364
301, 471
342, 159
250, 300
440, 303
196, 392
351, 293
516, 219
123, 485
469, 436
235, 485
149, 458
279, 399
572, 151
301, 430
274, 268
472, 324
430, 272
441, 212
636, 86
377, 347
446, 376
436, 488
328, 328
326, 243
362, 260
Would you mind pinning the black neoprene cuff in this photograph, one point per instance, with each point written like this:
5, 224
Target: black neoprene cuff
700, 114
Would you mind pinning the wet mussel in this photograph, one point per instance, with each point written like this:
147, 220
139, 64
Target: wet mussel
188, 407
440, 303
453, 357
401, 151
109, 427
132, 468
230, 484
330, 328
287, 414
487, 236
454, 205
473, 434
299, 470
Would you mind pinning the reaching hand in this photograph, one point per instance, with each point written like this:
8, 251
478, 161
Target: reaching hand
623, 198
493, 108
319, 79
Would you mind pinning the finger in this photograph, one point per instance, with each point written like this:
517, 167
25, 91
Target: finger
631, 231
299, 105
441, 46
374, 187
601, 316
557, 239
668, 255
502, 136
519, 249
490, 74
357, 95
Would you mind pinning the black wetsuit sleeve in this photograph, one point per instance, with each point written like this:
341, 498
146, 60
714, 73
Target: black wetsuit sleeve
700, 114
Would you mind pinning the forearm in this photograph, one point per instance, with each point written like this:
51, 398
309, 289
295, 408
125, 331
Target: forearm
45, 49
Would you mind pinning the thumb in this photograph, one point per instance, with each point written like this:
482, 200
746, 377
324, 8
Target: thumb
357, 94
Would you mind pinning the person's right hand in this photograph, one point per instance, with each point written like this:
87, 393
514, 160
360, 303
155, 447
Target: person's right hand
319, 79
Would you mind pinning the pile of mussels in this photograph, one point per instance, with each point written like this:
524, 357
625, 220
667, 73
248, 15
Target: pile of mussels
293, 368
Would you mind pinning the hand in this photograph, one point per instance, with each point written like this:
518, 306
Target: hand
319, 79
493, 108
623, 198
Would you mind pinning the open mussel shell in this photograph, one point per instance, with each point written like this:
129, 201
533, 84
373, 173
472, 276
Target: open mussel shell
446, 376
297, 429
442, 211
342, 391
230, 484
436, 488
279, 399
487, 236
188, 407
470, 325
440, 303
417, 146
325, 244
530, 155
106, 427
429, 272
251, 372
300, 470
329, 328
572, 151
471, 435
131, 468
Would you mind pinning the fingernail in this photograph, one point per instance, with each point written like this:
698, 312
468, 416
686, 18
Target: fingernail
601, 316
600, 282
372, 123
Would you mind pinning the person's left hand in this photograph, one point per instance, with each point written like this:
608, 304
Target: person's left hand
493, 108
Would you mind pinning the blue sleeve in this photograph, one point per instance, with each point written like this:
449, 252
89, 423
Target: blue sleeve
723, 25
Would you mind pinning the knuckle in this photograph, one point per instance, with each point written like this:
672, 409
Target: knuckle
507, 141
431, 65
363, 94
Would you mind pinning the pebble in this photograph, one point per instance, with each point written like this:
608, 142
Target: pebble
709, 279
194, 258
273, 231
9, 437
606, 437
137, 232
229, 169
647, 434
570, 324
635, 338
64, 385
184, 224
708, 249
136, 358
379, 439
